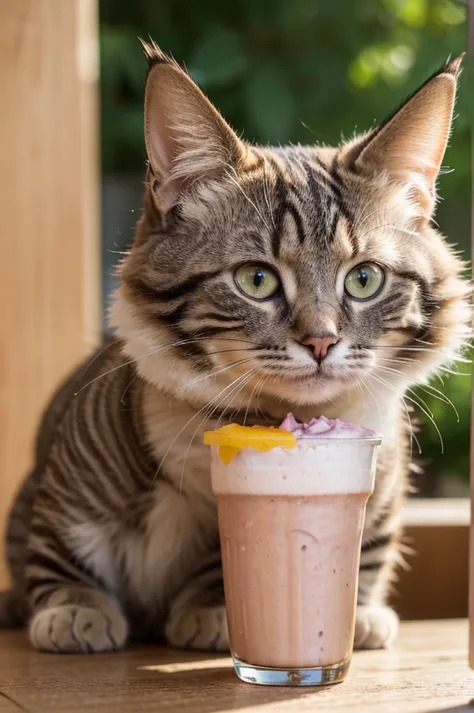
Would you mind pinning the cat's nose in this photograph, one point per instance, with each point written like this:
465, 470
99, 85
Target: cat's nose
320, 344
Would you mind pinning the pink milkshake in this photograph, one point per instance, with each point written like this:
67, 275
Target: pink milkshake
291, 514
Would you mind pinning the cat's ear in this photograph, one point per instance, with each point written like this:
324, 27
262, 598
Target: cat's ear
186, 138
410, 145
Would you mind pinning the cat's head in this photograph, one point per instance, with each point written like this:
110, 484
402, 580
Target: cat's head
298, 272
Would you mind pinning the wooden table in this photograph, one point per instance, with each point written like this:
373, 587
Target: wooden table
427, 671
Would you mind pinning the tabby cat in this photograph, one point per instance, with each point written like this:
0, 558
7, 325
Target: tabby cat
261, 280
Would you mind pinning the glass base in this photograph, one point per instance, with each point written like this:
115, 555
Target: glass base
265, 676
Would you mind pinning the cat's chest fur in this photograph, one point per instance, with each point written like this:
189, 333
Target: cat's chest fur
144, 564
169, 526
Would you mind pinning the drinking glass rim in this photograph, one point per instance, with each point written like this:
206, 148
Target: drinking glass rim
372, 440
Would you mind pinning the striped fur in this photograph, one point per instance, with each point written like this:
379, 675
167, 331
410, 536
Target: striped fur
114, 533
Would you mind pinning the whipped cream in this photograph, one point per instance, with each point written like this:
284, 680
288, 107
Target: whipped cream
331, 457
323, 427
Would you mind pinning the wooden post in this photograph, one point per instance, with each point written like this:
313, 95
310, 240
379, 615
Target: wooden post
49, 218
470, 59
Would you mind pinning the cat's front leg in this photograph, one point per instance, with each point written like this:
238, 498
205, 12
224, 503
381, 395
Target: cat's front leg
78, 620
376, 624
69, 612
197, 617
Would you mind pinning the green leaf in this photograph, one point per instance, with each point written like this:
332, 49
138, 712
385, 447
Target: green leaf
219, 58
269, 103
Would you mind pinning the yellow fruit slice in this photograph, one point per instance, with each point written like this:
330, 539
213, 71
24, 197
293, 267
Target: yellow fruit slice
234, 438
226, 453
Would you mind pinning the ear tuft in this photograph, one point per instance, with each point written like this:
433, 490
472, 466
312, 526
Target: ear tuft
152, 52
452, 66
154, 55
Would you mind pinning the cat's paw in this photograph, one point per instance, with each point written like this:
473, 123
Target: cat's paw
199, 627
72, 628
375, 627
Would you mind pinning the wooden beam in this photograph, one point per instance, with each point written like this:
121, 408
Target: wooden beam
49, 222
470, 58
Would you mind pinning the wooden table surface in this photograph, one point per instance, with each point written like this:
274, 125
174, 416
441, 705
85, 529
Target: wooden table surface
427, 671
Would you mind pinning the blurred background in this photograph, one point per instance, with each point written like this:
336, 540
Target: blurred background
300, 71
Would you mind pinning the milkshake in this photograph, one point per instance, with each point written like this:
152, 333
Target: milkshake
291, 504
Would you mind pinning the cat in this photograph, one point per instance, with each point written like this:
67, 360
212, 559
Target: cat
261, 281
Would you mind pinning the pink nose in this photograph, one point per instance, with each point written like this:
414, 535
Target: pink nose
320, 345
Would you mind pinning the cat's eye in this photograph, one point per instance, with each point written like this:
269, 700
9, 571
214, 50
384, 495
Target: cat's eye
259, 282
365, 281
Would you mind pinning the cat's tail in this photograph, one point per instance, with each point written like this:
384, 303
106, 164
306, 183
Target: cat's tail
12, 609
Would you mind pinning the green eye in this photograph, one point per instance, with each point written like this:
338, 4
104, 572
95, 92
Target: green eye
259, 282
364, 281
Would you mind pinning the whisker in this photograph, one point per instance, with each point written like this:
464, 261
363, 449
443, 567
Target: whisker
96, 356
422, 341
228, 351
377, 405
399, 347
223, 390
441, 397
430, 416
410, 425
259, 393
181, 342
426, 412
238, 384
453, 373
463, 329
122, 398
220, 371
424, 387
110, 371
389, 371
250, 400
399, 360
241, 387
202, 336
419, 349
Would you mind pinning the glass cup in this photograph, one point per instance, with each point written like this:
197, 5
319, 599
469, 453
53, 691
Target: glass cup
290, 523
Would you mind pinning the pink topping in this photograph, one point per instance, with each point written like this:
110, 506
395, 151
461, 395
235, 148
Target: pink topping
325, 428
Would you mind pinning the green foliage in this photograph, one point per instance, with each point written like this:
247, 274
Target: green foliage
277, 67
269, 102
218, 59
300, 71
